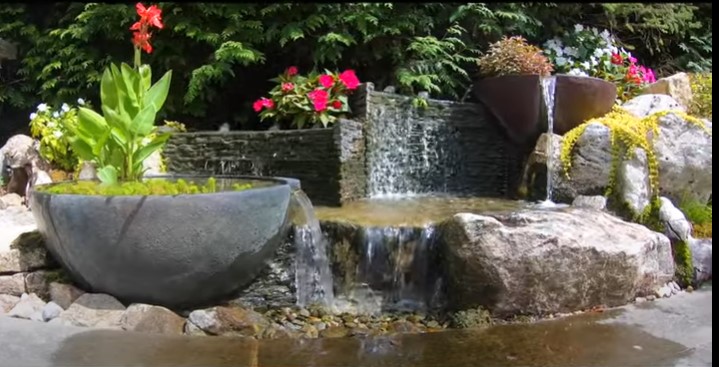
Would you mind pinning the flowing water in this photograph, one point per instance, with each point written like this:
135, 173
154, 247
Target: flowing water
549, 84
313, 276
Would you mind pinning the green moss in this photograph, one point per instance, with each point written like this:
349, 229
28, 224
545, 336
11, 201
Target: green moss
58, 276
150, 187
684, 266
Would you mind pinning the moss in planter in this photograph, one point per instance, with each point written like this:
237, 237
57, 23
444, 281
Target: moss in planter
150, 187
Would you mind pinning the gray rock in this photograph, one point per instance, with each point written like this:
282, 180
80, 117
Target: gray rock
10, 200
677, 86
20, 150
13, 285
597, 202
633, 181
95, 310
231, 321
38, 282
192, 329
153, 164
684, 153
87, 172
663, 291
64, 294
51, 311
29, 307
22, 249
152, 319
7, 302
541, 262
647, 104
702, 259
677, 226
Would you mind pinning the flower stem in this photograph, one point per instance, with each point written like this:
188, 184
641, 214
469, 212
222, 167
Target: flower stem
137, 58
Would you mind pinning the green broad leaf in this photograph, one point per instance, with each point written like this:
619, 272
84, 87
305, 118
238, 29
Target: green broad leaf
324, 119
107, 175
101, 141
82, 149
144, 122
117, 120
131, 79
91, 122
300, 121
145, 77
158, 92
156, 143
108, 92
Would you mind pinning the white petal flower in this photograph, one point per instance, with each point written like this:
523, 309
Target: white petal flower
595, 31
605, 35
33, 115
586, 65
80, 101
578, 28
51, 124
42, 107
56, 114
598, 52
593, 61
576, 72
560, 61
65, 107
57, 133
571, 51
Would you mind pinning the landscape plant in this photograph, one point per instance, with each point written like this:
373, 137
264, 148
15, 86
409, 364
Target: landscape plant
118, 141
513, 56
307, 101
50, 127
588, 52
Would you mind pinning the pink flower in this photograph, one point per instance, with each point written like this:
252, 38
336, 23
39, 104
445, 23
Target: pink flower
286, 87
327, 80
263, 102
337, 104
632, 60
319, 99
292, 70
349, 79
649, 76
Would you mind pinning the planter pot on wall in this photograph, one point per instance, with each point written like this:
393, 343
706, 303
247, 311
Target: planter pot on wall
580, 98
517, 103
177, 251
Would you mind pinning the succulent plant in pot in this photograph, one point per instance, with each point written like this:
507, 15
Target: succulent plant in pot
509, 86
173, 241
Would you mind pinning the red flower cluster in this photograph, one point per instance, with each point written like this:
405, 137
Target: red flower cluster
151, 16
317, 98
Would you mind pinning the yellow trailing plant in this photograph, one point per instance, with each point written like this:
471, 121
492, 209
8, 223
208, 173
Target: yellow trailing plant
626, 132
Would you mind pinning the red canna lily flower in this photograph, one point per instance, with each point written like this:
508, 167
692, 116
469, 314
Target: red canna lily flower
151, 15
142, 40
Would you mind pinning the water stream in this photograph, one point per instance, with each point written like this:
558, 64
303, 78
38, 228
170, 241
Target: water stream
313, 276
548, 89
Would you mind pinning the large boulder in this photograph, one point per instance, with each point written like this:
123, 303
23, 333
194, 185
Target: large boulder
677, 86
683, 150
546, 261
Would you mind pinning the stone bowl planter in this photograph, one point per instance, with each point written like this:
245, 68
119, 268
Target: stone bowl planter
178, 251
517, 103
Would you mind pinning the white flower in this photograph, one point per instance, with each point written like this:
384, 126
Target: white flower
558, 51
65, 107
80, 101
598, 52
593, 61
576, 72
55, 114
57, 133
51, 125
571, 51
578, 28
33, 115
586, 65
594, 30
605, 35
42, 107
560, 61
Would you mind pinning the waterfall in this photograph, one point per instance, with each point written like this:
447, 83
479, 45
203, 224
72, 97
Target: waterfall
313, 276
548, 89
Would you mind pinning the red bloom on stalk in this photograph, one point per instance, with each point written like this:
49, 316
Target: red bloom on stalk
292, 70
617, 59
286, 87
263, 102
337, 105
327, 80
319, 99
142, 40
349, 79
151, 16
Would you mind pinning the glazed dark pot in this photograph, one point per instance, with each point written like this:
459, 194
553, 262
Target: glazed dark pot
179, 251
517, 103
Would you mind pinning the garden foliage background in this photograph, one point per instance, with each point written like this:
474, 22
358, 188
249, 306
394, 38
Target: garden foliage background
222, 55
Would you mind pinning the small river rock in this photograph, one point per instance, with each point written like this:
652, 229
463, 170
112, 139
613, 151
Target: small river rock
95, 310
152, 319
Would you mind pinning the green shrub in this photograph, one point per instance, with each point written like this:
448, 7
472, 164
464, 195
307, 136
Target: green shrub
700, 215
701, 95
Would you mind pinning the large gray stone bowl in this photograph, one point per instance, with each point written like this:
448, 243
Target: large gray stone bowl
178, 251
